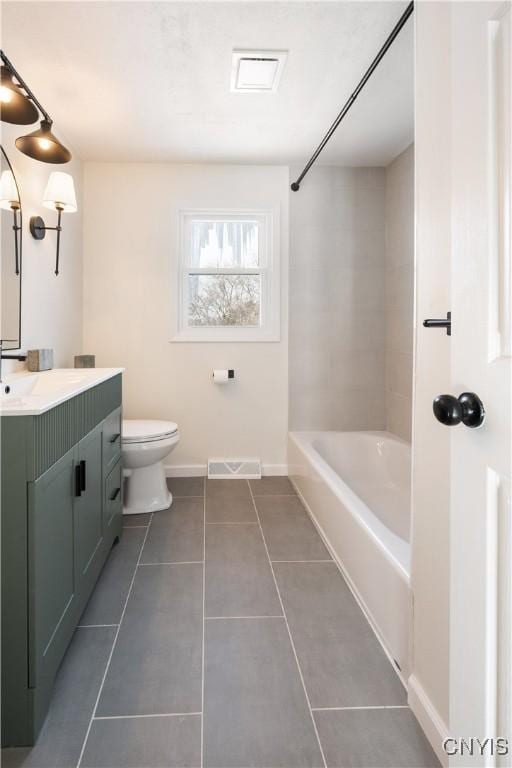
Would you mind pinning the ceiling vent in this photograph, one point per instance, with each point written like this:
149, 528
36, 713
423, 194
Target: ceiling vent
257, 71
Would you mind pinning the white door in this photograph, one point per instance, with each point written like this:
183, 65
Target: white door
481, 531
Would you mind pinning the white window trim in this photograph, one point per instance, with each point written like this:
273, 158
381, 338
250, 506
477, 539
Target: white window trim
269, 330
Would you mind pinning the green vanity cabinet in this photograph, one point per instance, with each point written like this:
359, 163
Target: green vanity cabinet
88, 506
52, 596
61, 514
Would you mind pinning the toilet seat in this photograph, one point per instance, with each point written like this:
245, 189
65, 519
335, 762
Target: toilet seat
147, 430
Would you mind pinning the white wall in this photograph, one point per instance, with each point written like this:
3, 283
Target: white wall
399, 292
130, 249
337, 318
51, 305
429, 684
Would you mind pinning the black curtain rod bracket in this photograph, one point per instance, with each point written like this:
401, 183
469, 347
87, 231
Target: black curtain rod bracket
373, 66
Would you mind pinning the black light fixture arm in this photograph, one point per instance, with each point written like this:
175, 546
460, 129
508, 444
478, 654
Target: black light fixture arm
398, 26
38, 230
25, 87
59, 230
16, 227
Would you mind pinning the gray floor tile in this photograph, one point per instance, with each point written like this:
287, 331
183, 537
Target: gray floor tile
341, 660
144, 742
272, 486
256, 713
136, 520
239, 581
186, 486
176, 534
76, 687
107, 601
224, 509
289, 532
233, 489
156, 664
374, 738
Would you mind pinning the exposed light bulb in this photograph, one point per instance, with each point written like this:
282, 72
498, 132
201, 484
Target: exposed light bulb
44, 143
5, 95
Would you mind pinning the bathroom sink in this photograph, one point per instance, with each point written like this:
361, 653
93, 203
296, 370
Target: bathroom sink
60, 379
44, 383
17, 385
34, 393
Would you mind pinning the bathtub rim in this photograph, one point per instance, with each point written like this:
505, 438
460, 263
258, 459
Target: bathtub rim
395, 549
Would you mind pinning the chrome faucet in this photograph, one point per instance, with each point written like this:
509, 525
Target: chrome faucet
21, 358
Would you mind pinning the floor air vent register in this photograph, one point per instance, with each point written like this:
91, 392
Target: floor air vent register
228, 469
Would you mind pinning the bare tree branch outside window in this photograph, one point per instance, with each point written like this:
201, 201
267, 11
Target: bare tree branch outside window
224, 300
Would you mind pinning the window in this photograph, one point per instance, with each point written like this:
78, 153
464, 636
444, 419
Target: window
228, 278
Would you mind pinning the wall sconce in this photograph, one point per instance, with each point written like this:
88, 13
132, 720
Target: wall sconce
10, 200
59, 196
19, 106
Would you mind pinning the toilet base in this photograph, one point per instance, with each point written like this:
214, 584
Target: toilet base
146, 490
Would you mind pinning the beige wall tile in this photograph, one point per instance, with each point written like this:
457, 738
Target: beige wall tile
399, 372
399, 415
399, 292
351, 298
337, 300
399, 329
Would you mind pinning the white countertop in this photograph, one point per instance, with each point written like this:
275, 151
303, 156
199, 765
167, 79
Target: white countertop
30, 394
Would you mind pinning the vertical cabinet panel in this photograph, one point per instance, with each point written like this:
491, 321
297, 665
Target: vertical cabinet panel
88, 505
113, 504
111, 439
52, 583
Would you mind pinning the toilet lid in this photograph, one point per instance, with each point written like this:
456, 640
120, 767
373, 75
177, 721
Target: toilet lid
143, 430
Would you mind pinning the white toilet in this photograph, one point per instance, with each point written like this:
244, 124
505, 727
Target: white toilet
144, 446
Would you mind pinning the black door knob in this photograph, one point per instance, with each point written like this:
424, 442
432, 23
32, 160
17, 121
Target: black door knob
467, 408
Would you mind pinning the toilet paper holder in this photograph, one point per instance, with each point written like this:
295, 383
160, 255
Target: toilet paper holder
230, 371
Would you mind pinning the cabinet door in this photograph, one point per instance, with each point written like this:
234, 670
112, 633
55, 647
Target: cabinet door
111, 440
88, 506
113, 504
52, 583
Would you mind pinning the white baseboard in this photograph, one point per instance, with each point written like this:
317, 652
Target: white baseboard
428, 717
275, 469
200, 470
185, 470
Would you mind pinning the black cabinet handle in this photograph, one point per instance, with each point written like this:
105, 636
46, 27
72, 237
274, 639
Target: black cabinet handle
78, 480
115, 494
115, 437
466, 408
82, 475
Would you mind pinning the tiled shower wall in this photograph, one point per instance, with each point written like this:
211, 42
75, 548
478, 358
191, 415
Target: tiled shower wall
337, 300
351, 298
399, 282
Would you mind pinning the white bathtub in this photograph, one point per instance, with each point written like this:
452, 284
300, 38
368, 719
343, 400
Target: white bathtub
356, 486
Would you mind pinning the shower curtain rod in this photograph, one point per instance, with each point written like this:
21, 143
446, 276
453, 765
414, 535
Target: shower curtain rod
400, 23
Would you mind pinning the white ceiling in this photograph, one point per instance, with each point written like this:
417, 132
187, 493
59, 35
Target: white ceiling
150, 81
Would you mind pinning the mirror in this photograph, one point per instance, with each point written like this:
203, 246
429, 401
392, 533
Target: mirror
10, 257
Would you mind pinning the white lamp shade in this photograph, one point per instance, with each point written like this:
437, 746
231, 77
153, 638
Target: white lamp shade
8, 190
60, 192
